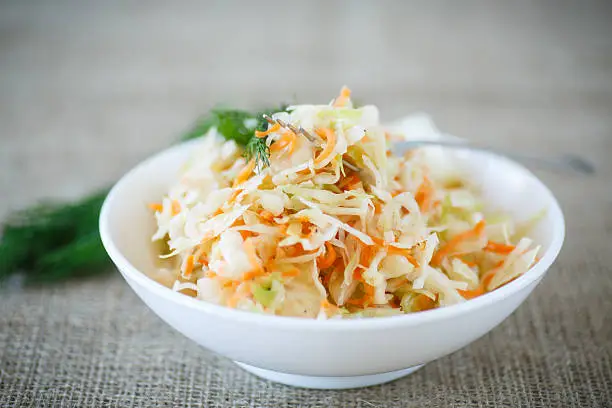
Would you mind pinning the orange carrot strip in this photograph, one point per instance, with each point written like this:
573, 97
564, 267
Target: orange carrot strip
424, 302
244, 173
499, 248
406, 253
471, 294
391, 250
250, 275
424, 194
252, 255
275, 127
347, 181
246, 234
377, 208
203, 260
156, 207
176, 207
233, 196
188, 266
291, 273
453, 243
342, 99
330, 144
366, 256
292, 144
266, 215
288, 139
327, 260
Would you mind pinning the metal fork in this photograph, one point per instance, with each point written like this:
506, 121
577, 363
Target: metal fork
566, 162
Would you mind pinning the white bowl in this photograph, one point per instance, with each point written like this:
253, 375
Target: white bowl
333, 353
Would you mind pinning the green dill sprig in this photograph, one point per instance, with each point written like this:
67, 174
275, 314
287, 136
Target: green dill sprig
257, 149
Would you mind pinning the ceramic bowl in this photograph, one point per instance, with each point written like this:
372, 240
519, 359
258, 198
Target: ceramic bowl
332, 353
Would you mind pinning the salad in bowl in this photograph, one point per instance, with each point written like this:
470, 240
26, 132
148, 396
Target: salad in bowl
318, 218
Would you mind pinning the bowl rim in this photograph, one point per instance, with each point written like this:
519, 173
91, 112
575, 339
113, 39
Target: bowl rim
130, 272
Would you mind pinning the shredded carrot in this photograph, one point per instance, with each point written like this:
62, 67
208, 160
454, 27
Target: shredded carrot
244, 174
357, 274
251, 275
288, 139
291, 273
308, 229
391, 250
424, 302
343, 98
218, 212
453, 243
230, 284
486, 278
378, 241
406, 253
330, 144
233, 196
156, 207
188, 266
266, 215
424, 194
484, 282
294, 250
366, 256
327, 260
369, 294
292, 144
349, 181
377, 207
202, 260
210, 274
176, 207
247, 234
275, 127
499, 248
471, 294
252, 255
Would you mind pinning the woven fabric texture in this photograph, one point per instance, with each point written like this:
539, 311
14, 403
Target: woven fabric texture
87, 89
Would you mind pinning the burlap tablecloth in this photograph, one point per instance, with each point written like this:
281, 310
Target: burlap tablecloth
87, 90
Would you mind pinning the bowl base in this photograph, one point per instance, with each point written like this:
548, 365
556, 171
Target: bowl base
328, 383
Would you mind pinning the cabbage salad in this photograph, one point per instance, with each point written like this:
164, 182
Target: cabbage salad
325, 222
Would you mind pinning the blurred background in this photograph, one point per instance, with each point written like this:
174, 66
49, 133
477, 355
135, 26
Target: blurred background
88, 89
